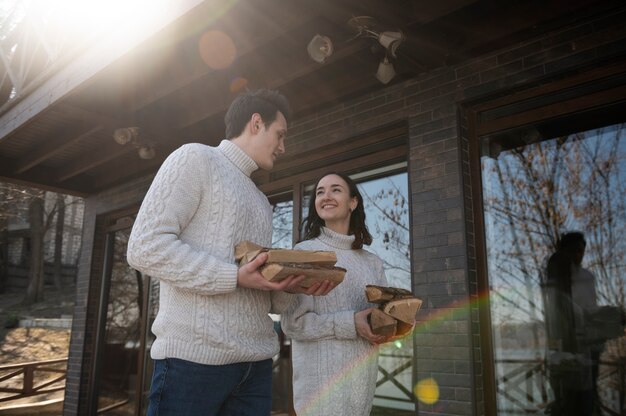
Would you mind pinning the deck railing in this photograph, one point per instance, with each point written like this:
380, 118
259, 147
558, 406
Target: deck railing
29, 379
524, 388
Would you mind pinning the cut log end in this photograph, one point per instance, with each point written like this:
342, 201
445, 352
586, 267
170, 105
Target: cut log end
403, 310
382, 324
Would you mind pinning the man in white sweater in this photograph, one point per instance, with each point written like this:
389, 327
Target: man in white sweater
214, 338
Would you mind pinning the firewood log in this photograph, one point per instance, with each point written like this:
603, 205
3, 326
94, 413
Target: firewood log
315, 265
382, 294
396, 312
381, 323
403, 309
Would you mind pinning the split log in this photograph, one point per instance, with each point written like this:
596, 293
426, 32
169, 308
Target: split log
382, 324
276, 272
382, 294
315, 265
403, 329
246, 251
396, 314
403, 310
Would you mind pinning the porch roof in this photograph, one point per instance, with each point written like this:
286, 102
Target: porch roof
60, 135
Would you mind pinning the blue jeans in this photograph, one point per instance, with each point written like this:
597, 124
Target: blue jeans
182, 387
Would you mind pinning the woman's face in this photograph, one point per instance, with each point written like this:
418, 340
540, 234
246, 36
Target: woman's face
333, 203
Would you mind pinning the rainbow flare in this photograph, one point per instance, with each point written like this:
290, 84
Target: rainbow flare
440, 315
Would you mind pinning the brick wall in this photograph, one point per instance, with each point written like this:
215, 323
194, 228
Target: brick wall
448, 339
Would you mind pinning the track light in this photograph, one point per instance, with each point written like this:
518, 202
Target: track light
125, 135
146, 152
320, 48
386, 71
390, 41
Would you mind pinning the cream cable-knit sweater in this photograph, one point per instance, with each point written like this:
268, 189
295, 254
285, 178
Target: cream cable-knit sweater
202, 203
334, 369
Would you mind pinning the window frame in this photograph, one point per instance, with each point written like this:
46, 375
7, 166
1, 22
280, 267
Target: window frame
545, 100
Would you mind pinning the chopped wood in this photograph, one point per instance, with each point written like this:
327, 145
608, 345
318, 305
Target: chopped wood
403, 329
246, 251
381, 323
315, 265
403, 309
276, 272
397, 309
382, 294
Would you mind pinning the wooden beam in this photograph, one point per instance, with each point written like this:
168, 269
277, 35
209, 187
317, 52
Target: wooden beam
298, 69
53, 145
76, 73
43, 178
92, 159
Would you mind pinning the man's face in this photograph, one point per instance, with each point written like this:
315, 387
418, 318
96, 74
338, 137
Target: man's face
269, 142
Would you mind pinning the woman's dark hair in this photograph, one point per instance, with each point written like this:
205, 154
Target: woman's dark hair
313, 223
267, 103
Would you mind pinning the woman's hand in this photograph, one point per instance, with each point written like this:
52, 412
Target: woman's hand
363, 327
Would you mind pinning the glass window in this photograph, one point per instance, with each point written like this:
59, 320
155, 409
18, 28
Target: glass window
555, 216
282, 224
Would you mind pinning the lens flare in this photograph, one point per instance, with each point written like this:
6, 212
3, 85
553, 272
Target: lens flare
238, 84
427, 391
217, 49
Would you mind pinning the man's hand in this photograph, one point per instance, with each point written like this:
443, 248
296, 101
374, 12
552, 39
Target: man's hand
316, 289
363, 327
249, 276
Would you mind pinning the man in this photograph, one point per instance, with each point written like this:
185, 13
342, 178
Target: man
570, 299
214, 338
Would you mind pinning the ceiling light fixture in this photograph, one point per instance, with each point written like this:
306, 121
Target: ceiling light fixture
386, 71
132, 135
321, 47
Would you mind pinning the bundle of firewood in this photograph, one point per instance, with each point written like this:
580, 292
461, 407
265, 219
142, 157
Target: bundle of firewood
395, 316
315, 265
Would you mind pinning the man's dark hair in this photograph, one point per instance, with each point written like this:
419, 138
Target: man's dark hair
264, 102
313, 222
569, 241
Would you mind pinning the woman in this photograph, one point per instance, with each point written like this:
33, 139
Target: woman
334, 352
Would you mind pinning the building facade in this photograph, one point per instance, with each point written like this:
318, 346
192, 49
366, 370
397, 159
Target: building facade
473, 170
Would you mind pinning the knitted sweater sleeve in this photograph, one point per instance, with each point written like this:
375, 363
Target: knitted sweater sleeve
303, 322
155, 246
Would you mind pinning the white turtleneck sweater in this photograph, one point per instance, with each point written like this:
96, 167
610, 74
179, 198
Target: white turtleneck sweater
334, 369
201, 204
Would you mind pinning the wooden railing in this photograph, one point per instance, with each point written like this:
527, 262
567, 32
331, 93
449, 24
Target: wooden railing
33, 382
523, 388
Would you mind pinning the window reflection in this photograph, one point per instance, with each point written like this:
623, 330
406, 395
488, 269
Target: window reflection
282, 224
120, 352
559, 347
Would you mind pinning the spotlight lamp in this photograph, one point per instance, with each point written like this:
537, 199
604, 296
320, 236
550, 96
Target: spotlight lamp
146, 152
320, 48
386, 71
390, 41
364, 26
125, 135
